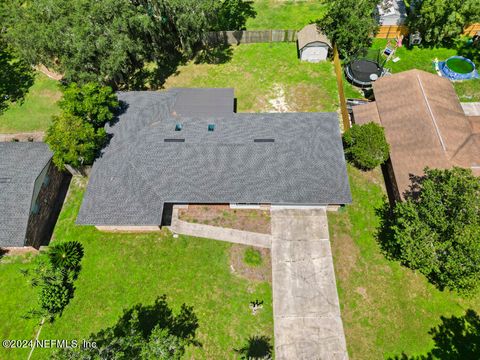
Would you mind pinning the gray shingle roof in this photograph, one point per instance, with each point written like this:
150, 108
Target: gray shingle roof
139, 172
20, 164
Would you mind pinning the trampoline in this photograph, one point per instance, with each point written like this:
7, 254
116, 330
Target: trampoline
365, 68
458, 68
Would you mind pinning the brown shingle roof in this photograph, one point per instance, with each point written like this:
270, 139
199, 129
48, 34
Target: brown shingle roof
310, 34
366, 113
424, 125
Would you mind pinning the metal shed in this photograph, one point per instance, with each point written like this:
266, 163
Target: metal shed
313, 46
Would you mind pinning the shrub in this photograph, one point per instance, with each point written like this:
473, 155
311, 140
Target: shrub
437, 229
366, 146
252, 257
66, 255
74, 141
54, 295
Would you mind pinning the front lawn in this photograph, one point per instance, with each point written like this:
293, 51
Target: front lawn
422, 58
120, 270
266, 77
35, 112
387, 309
285, 14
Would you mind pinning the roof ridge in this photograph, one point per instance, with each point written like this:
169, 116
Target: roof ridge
432, 116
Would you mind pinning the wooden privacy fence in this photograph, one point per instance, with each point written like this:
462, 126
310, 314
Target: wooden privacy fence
250, 36
267, 36
391, 31
472, 29
394, 31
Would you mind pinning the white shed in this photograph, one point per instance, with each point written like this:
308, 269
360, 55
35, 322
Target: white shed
313, 46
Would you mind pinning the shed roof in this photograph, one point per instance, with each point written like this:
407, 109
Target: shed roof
20, 165
299, 161
424, 124
310, 34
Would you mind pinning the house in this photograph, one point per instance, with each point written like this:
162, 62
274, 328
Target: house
188, 146
313, 46
424, 124
391, 12
31, 194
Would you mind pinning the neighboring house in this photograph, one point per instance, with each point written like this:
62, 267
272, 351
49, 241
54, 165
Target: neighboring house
188, 146
313, 46
425, 125
391, 12
30, 194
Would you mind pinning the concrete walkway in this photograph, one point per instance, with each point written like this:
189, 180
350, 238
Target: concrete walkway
471, 109
306, 309
218, 233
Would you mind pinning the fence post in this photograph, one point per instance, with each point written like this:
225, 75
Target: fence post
341, 92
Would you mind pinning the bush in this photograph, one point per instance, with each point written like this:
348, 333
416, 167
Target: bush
66, 255
74, 141
252, 257
437, 229
55, 294
366, 146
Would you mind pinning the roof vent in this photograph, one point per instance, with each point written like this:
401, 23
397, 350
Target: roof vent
264, 140
211, 127
173, 140
178, 127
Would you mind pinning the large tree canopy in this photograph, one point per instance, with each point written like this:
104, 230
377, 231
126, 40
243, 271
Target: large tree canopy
440, 21
437, 229
350, 24
110, 41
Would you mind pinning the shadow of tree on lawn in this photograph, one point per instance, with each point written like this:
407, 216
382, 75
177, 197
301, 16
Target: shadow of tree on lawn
456, 338
257, 347
152, 329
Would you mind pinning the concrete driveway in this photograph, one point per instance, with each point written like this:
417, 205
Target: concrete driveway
306, 310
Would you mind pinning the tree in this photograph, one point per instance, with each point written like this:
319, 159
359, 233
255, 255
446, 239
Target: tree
111, 41
436, 230
92, 102
86, 40
233, 14
350, 24
442, 21
366, 146
66, 255
54, 275
74, 141
143, 332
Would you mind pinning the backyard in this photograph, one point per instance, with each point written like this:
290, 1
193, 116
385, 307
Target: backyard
266, 77
35, 112
423, 58
285, 14
121, 270
386, 309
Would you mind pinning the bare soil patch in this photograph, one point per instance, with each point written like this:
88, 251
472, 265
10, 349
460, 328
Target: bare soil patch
238, 266
223, 216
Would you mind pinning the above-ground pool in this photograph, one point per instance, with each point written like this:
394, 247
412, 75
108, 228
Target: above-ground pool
458, 68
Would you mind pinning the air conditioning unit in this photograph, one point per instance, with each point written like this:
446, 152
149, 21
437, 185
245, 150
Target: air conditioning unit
415, 39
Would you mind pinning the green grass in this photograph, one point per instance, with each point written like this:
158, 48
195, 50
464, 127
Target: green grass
120, 270
35, 112
387, 309
422, 58
285, 14
261, 73
252, 257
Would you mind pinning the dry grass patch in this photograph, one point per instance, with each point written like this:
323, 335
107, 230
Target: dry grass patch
223, 216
